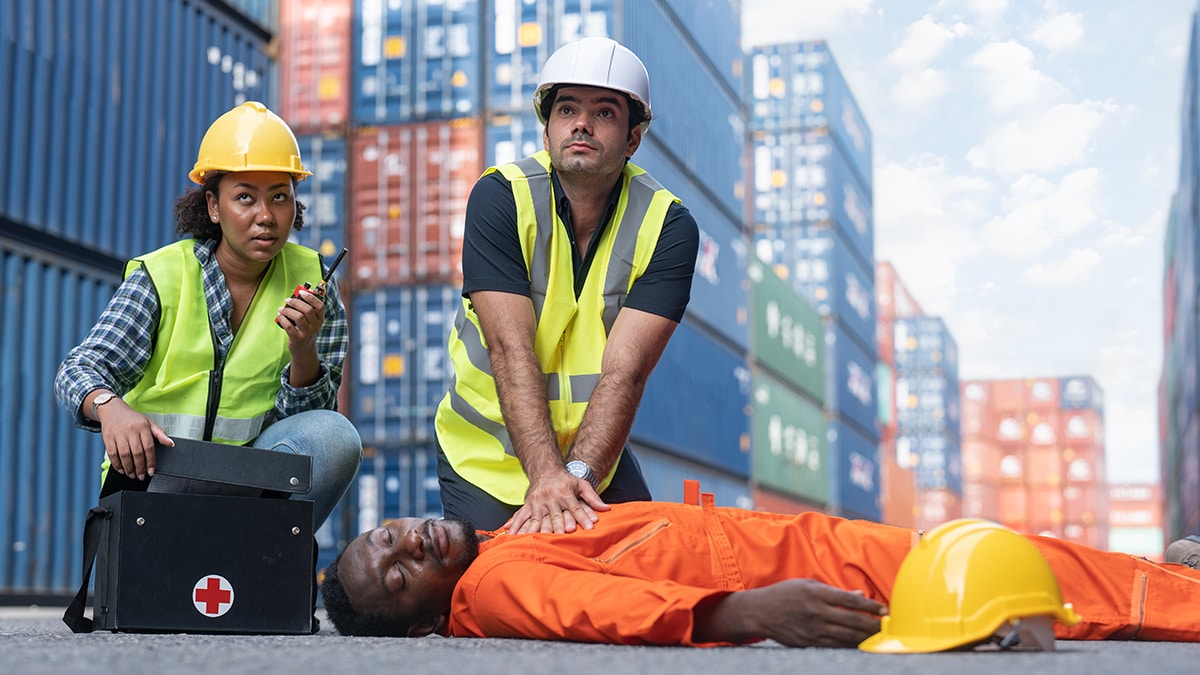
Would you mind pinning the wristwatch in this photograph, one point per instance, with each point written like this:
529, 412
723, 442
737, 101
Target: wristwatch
99, 401
582, 470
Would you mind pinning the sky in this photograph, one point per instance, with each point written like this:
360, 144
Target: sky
1025, 156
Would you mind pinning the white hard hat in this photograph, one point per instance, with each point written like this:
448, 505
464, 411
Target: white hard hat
596, 62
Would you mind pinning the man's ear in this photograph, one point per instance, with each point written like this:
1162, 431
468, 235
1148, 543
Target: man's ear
635, 141
426, 626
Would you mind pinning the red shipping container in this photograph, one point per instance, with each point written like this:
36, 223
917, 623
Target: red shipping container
885, 339
1044, 466
934, 507
409, 185
1009, 396
897, 484
1093, 535
980, 461
1044, 394
892, 297
981, 500
1086, 503
1085, 467
1012, 465
1044, 504
1083, 427
314, 64
1042, 427
1013, 506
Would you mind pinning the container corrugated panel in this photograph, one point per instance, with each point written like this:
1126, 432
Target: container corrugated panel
665, 472
934, 507
925, 344
524, 33
408, 200
799, 85
696, 117
939, 459
896, 484
397, 481
324, 198
314, 64
850, 379
892, 297
981, 460
1082, 428
401, 367
719, 287
696, 403
264, 13
818, 263
507, 138
338, 530
854, 484
143, 79
788, 334
51, 469
802, 176
927, 401
1081, 392
787, 432
981, 500
715, 26
416, 61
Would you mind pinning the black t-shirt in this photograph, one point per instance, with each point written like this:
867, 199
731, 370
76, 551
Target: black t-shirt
492, 259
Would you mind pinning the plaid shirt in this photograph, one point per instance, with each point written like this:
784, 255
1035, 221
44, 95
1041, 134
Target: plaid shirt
115, 353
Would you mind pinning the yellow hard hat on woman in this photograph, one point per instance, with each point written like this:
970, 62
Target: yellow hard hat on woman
964, 581
248, 138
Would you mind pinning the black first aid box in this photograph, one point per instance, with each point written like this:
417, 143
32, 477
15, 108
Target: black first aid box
171, 562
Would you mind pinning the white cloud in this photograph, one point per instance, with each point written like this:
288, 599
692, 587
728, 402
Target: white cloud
1010, 79
1039, 213
919, 89
1077, 267
776, 21
924, 41
1058, 137
923, 218
1059, 32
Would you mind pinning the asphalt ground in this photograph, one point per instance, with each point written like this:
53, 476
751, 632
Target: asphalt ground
35, 640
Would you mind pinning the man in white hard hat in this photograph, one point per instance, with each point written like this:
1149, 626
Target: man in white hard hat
577, 267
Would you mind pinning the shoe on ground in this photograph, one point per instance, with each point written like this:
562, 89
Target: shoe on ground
1185, 551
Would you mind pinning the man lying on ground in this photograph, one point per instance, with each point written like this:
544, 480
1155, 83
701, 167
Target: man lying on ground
685, 574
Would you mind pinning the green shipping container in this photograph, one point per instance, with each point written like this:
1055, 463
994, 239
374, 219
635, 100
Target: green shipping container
788, 440
787, 335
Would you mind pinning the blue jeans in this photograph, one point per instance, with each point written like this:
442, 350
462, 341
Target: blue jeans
336, 451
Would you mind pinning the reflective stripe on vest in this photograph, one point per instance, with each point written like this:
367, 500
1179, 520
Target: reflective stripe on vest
570, 332
184, 390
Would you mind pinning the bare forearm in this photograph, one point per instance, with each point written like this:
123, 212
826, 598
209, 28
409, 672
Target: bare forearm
522, 391
607, 422
729, 618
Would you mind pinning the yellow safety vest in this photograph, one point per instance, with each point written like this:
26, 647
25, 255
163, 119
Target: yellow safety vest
571, 332
184, 390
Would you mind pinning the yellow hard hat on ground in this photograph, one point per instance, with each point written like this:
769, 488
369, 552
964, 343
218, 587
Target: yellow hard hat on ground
248, 138
964, 581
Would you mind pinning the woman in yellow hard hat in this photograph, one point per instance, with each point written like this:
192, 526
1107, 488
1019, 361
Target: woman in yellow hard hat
214, 337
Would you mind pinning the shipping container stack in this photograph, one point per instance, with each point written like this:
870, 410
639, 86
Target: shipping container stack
1135, 519
1033, 453
897, 485
1179, 398
404, 105
813, 225
928, 418
83, 188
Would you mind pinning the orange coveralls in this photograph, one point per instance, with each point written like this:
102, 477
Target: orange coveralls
637, 576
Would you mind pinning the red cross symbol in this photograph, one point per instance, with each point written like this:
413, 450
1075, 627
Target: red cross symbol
213, 595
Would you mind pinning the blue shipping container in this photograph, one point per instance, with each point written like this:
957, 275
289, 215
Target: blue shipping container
324, 195
924, 343
397, 482
696, 403
801, 177
799, 85
855, 489
665, 473
106, 106
51, 469
401, 368
1080, 392
939, 459
415, 61
507, 138
850, 379
928, 401
817, 262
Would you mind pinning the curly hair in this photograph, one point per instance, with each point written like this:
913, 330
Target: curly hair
191, 210
346, 619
